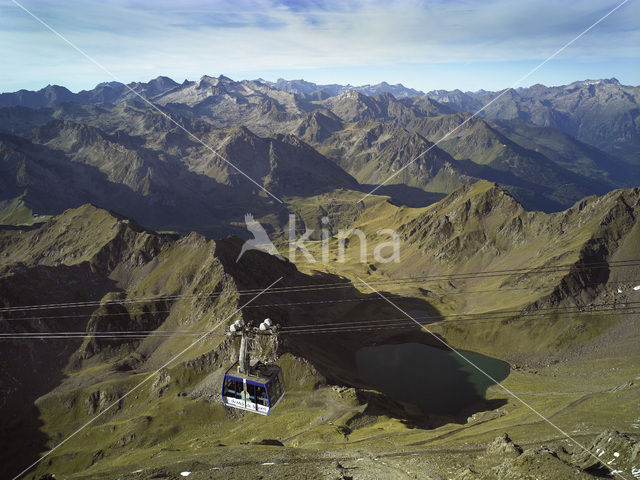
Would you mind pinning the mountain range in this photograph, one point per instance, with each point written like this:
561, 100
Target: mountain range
121, 229
602, 113
124, 155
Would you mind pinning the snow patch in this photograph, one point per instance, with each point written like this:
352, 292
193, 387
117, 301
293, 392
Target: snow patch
269, 463
185, 474
636, 288
616, 454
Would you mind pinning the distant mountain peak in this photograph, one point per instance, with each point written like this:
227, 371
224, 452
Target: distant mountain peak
207, 80
162, 81
601, 81
318, 126
109, 84
351, 93
241, 132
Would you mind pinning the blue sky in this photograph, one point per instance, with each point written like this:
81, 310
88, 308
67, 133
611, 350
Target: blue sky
423, 44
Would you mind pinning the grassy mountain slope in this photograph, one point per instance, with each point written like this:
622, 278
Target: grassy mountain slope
481, 227
175, 418
188, 283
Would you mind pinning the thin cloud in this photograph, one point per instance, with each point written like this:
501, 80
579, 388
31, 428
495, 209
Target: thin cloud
195, 37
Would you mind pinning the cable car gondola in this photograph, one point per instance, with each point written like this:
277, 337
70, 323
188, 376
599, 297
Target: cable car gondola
258, 391
255, 387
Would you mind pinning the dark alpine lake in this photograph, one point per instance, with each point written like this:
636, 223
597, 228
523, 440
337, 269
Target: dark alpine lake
435, 380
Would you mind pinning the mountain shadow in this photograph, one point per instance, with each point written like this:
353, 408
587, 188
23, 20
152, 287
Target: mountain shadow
32, 367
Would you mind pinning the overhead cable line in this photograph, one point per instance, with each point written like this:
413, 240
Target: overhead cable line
336, 285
